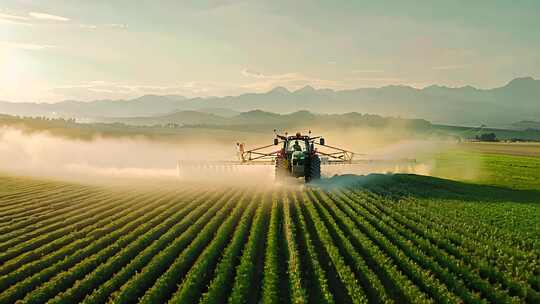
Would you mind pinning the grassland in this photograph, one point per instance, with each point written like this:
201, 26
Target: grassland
352, 239
502, 148
510, 165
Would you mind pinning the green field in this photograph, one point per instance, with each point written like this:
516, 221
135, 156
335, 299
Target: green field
515, 166
355, 239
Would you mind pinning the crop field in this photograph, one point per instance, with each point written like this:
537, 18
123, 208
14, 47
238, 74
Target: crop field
513, 166
397, 238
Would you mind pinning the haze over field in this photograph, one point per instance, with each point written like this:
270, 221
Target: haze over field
105, 160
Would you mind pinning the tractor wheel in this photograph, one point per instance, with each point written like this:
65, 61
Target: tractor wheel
281, 170
314, 169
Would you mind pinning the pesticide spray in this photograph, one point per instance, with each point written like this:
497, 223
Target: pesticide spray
127, 158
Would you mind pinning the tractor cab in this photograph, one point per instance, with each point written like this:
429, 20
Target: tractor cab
296, 143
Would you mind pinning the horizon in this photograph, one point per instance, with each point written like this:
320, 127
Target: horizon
75, 50
289, 90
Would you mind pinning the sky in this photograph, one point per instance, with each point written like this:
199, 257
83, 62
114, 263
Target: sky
86, 50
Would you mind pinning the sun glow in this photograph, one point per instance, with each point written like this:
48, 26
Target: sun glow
11, 70
17, 79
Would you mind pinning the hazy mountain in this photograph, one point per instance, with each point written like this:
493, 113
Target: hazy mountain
181, 118
525, 125
258, 119
518, 100
223, 112
143, 106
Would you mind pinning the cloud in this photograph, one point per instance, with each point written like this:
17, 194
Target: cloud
43, 16
252, 73
380, 79
96, 86
24, 46
294, 80
13, 17
117, 25
110, 26
100, 89
291, 80
450, 67
88, 26
367, 71
27, 20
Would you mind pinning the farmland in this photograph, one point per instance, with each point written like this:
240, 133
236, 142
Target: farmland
269, 152
374, 239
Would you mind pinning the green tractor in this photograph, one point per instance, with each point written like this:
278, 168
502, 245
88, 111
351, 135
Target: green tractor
297, 157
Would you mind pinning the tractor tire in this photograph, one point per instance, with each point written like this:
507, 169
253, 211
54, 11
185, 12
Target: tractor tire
314, 169
281, 169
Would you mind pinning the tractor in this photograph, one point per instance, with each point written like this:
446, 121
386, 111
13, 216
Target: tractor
297, 157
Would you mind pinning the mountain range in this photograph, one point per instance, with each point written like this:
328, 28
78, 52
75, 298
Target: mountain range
525, 125
269, 120
518, 100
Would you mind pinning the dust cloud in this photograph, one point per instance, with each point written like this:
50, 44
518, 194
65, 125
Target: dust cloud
387, 150
105, 160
